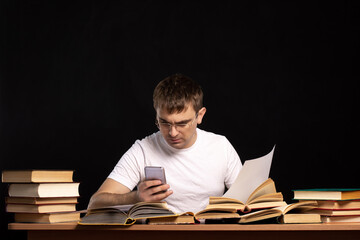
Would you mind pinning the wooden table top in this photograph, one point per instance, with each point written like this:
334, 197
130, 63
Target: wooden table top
191, 227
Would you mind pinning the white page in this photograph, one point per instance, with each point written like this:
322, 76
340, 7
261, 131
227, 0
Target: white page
253, 173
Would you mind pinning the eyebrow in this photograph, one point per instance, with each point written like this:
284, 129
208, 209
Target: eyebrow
181, 122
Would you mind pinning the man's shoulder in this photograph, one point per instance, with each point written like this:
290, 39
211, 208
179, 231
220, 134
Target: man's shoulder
150, 143
152, 139
211, 136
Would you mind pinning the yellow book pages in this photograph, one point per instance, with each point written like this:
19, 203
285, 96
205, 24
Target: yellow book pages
126, 214
327, 194
306, 205
221, 200
106, 218
338, 205
217, 215
260, 215
300, 218
44, 208
43, 190
128, 222
265, 196
222, 207
274, 212
261, 205
39, 201
181, 219
271, 197
47, 217
267, 187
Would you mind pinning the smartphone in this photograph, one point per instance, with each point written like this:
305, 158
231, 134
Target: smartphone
155, 173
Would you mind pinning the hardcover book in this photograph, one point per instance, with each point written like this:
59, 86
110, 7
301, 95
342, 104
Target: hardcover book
36, 176
327, 194
44, 190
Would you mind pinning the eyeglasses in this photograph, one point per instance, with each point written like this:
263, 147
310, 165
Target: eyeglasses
162, 125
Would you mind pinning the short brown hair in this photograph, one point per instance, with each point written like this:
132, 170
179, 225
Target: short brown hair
175, 92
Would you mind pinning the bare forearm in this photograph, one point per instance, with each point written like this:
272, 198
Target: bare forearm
147, 191
103, 199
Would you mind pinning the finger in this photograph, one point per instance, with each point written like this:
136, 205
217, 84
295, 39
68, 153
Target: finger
158, 189
149, 183
161, 196
146, 190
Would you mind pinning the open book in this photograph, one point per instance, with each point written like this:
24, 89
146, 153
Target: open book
251, 190
299, 207
300, 212
264, 196
126, 214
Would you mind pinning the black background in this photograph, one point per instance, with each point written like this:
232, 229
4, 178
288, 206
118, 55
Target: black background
77, 80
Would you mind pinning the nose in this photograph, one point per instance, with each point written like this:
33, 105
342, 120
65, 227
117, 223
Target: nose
173, 131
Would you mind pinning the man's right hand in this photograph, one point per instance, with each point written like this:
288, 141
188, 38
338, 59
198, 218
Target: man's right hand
153, 191
112, 192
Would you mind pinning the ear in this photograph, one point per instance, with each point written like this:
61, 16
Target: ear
201, 114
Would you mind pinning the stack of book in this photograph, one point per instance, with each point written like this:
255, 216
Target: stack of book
41, 196
334, 204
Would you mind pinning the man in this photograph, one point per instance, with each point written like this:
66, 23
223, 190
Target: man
198, 164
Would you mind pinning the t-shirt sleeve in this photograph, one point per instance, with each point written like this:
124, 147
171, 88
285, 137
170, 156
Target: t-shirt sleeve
234, 165
130, 168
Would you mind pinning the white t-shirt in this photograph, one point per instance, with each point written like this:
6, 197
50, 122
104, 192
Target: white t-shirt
194, 174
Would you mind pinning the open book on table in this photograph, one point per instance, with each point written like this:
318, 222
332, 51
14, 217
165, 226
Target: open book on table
265, 196
252, 190
126, 214
298, 210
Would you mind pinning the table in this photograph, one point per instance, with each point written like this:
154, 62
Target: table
70, 231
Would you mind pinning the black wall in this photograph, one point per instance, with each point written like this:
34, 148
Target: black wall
77, 80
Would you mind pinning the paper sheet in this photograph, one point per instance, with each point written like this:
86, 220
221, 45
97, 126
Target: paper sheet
253, 173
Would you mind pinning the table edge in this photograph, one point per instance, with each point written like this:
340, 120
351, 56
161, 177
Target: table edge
190, 227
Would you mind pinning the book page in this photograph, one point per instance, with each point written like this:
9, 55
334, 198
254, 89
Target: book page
252, 174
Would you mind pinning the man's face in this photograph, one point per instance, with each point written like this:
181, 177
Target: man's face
179, 129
